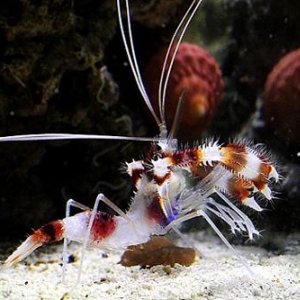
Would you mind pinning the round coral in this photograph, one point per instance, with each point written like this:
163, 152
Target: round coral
282, 97
196, 72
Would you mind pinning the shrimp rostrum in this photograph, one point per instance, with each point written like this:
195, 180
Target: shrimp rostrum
172, 184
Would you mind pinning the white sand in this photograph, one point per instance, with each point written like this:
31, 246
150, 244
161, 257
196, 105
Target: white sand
217, 276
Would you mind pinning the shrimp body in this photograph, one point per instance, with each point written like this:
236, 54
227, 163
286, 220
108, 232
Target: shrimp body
172, 186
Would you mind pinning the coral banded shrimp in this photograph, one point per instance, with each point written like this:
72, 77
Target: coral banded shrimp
172, 184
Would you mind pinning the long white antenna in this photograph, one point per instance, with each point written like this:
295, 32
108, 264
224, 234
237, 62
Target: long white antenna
132, 58
70, 136
165, 74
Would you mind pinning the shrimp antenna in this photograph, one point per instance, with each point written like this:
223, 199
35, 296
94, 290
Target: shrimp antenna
166, 70
70, 136
131, 55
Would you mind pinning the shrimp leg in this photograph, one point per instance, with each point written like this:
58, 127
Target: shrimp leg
72, 203
202, 213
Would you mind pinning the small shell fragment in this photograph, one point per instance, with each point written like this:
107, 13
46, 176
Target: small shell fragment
157, 251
